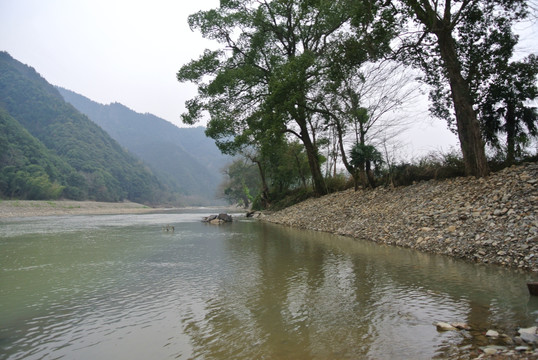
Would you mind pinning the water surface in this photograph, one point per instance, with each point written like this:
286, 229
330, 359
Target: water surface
118, 286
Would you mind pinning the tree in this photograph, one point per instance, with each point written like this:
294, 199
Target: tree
439, 50
275, 54
505, 109
361, 104
362, 157
242, 183
287, 166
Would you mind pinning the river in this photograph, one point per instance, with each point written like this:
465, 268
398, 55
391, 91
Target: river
119, 287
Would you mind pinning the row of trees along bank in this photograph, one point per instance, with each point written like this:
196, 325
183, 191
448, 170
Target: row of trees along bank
292, 77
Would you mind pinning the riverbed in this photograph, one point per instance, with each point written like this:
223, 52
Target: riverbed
124, 287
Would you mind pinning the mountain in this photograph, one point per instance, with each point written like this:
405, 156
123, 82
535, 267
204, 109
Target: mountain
78, 156
183, 158
27, 168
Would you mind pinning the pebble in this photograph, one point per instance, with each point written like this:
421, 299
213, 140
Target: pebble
490, 350
529, 338
443, 326
531, 330
488, 220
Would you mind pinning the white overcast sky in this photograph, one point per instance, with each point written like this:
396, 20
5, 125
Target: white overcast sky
129, 51
126, 51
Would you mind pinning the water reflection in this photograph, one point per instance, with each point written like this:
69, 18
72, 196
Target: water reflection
318, 296
119, 287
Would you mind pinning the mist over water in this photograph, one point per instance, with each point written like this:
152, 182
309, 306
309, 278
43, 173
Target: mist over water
118, 286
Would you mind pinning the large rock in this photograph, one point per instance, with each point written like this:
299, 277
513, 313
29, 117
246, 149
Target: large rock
218, 219
225, 217
209, 218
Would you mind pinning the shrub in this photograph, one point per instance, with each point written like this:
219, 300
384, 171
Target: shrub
432, 166
290, 198
340, 182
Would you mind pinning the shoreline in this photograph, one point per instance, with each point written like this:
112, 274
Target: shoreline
489, 220
35, 208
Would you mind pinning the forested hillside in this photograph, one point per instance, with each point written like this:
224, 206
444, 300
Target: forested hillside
28, 169
82, 160
183, 158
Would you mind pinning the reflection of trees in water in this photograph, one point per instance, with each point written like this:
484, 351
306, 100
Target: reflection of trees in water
298, 294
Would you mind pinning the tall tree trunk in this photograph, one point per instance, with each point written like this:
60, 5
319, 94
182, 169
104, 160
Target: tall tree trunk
510, 132
370, 174
362, 164
265, 188
313, 160
301, 119
299, 168
354, 172
472, 145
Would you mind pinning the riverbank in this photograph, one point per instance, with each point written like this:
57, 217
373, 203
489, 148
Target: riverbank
491, 220
30, 208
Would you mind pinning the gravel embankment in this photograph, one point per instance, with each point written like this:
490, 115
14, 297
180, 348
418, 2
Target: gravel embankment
491, 220
29, 208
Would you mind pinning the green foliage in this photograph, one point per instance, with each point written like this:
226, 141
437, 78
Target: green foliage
28, 170
459, 47
362, 153
291, 197
504, 108
430, 167
184, 160
265, 78
269, 175
242, 184
29, 184
84, 161
286, 164
337, 183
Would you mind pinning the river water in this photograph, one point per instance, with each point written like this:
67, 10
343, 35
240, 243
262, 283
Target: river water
119, 287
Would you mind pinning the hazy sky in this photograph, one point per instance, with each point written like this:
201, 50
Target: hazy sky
125, 51
129, 51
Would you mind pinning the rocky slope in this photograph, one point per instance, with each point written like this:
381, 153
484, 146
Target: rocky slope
491, 220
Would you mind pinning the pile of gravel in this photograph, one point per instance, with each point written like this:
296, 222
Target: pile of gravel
488, 220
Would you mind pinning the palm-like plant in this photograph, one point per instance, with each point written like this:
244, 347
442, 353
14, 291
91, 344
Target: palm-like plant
362, 157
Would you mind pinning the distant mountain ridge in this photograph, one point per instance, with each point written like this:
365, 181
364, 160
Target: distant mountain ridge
81, 162
183, 158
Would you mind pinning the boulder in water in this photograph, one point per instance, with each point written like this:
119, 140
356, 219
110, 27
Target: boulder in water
218, 219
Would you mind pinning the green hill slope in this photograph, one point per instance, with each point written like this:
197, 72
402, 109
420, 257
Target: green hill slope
183, 158
28, 170
103, 170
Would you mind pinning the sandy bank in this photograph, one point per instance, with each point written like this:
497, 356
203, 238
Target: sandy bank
29, 208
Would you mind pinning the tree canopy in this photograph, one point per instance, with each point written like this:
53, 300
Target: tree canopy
297, 67
266, 77
460, 45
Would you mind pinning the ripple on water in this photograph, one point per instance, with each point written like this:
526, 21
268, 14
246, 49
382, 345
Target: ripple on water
119, 287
